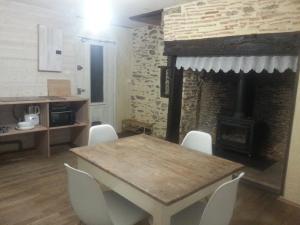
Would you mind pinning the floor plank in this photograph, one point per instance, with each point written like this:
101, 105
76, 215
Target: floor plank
33, 191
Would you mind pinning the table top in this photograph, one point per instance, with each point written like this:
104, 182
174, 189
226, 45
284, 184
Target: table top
165, 171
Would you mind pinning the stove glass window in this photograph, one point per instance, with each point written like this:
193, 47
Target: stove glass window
234, 134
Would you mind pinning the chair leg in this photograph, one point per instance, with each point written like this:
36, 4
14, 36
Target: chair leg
150, 220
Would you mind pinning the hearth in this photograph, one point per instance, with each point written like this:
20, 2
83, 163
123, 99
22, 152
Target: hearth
237, 132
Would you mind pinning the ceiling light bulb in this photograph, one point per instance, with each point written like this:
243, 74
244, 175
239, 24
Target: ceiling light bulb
97, 15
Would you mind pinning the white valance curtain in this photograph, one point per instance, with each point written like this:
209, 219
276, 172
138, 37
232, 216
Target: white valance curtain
239, 64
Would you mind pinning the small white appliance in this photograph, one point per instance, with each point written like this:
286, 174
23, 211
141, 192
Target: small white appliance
34, 119
32, 115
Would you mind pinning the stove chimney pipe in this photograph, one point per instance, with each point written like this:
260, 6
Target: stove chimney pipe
241, 97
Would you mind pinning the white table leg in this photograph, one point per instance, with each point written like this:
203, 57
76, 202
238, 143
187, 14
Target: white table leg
161, 217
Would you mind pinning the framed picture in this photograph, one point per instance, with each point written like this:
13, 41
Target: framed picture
164, 82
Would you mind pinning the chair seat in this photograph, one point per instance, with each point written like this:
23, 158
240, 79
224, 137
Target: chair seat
189, 216
122, 211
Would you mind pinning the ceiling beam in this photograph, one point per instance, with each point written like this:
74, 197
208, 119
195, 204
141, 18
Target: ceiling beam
153, 18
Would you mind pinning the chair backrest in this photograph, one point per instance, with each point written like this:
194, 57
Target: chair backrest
198, 140
101, 134
87, 198
220, 206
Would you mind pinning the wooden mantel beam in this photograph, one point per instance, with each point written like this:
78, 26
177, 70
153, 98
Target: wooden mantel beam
256, 44
153, 18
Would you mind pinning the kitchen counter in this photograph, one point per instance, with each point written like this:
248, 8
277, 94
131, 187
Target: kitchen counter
38, 99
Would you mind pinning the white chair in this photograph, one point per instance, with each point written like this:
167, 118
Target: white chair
101, 134
218, 210
94, 207
199, 141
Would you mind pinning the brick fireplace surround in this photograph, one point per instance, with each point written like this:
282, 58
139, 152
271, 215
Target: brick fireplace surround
226, 18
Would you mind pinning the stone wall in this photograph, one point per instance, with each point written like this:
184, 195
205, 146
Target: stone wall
218, 96
273, 103
204, 99
190, 102
219, 18
146, 103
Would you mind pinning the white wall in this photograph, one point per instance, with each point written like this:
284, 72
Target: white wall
124, 71
19, 75
292, 182
18, 47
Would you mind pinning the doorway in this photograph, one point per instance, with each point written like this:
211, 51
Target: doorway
96, 79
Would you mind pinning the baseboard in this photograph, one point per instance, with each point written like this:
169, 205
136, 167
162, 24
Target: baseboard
282, 199
258, 185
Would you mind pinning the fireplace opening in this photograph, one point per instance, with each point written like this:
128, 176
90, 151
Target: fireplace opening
249, 119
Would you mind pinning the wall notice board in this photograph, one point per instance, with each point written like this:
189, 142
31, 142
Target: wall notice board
50, 48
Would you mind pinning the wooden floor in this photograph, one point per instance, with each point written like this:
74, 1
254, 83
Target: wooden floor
33, 191
264, 172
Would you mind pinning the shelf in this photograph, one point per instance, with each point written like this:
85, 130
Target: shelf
77, 124
14, 131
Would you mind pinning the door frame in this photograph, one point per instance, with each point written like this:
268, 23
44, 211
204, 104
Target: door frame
86, 73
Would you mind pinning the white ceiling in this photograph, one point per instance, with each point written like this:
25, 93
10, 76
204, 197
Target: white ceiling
122, 9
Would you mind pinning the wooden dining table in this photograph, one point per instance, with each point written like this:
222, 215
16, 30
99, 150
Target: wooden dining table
160, 177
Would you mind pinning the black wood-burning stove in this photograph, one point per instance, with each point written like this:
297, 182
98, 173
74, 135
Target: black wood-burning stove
237, 132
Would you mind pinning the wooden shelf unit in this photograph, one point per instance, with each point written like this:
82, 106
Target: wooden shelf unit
78, 131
